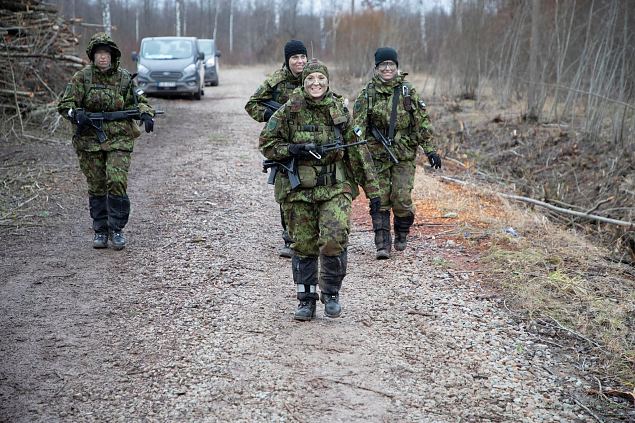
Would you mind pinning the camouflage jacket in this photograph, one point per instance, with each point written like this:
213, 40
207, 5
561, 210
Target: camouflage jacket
303, 120
97, 91
277, 87
373, 106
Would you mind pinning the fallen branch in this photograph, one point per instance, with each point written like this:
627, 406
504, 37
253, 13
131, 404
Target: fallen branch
552, 207
567, 211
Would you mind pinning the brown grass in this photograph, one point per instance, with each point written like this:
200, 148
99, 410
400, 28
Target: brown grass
549, 275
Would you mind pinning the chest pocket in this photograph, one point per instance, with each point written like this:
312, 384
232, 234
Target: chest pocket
103, 98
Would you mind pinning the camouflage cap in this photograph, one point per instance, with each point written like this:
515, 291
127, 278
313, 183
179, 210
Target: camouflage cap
102, 39
314, 66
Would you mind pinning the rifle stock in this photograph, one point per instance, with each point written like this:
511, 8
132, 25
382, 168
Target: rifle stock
271, 105
290, 167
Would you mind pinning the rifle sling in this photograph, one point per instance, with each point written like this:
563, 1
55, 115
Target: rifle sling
393, 114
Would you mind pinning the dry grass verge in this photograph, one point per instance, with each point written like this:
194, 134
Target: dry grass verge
557, 280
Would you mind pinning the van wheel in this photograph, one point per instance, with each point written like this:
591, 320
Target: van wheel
197, 96
214, 83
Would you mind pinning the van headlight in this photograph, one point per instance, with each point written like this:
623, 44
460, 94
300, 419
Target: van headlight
142, 70
210, 62
189, 70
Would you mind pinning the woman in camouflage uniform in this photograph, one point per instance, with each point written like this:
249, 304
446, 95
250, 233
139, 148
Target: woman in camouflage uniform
318, 211
103, 86
390, 106
277, 88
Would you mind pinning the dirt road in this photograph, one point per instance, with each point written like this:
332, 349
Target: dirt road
193, 320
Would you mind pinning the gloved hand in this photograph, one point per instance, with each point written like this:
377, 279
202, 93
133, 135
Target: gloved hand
434, 159
303, 150
375, 204
268, 114
79, 117
148, 122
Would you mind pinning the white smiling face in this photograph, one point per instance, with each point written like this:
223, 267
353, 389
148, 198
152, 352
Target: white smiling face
387, 70
316, 84
296, 63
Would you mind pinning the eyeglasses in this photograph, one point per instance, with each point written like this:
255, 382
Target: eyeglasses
387, 66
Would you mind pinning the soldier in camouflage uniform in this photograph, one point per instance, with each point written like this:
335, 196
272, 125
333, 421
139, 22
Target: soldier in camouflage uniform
387, 98
278, 87
103, 86
318, 211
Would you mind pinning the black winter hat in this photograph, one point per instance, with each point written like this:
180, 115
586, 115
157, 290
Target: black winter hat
385, 53
293, 47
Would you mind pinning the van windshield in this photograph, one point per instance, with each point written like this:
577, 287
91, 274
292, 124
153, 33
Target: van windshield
206, 46
166, 49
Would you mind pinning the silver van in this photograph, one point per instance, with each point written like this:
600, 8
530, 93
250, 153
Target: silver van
170, 66
212, 65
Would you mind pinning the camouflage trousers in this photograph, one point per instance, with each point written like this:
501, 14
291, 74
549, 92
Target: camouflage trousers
395, 188
319, 228
106, 171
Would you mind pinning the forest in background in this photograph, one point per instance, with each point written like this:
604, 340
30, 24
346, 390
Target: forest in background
568, 60
565, 64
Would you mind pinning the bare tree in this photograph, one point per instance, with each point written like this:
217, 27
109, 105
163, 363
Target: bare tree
532, 102
105, 13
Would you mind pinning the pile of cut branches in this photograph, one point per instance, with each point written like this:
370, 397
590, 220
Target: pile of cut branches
37, 57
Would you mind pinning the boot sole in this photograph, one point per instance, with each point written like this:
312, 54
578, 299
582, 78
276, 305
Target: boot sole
100, 246
303, 318
118, 247
332, 316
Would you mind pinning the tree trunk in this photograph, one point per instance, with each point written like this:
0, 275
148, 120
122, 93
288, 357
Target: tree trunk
534, 44
178, 18
105, 16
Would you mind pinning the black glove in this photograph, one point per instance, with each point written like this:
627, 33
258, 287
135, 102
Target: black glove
268, 114
375, 204
148, 122
434, 159
303, 150
80, 118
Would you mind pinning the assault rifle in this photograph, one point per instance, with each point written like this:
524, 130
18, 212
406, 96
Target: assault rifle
385, 142
290, 167
98, 118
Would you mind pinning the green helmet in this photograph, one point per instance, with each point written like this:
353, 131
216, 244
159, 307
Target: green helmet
101, 39
315, 66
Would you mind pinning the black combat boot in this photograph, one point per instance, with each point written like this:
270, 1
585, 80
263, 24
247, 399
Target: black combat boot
100, 240
99, 213
305, 276
332, 272
402, 228
118, 212
383, 239
118, 240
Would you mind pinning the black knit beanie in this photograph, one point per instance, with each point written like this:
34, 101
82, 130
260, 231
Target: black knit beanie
386, 53
293, 47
